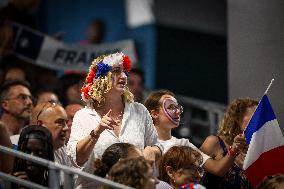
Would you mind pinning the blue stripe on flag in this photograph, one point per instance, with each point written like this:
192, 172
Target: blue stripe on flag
263, 114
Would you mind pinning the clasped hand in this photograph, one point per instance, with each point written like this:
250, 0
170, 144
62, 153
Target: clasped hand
239, 143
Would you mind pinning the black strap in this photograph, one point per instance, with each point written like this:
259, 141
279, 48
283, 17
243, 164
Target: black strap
223, 146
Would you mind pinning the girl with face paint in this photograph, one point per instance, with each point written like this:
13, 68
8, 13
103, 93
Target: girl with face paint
172, 109
166, 112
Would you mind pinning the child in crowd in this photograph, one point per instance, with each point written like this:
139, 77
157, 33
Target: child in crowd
133, 172
179, 166
37, 141
166, 114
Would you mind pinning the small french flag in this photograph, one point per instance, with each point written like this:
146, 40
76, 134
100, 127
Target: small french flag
266, 144
192, 185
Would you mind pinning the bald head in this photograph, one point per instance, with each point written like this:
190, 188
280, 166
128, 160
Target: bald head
54, 118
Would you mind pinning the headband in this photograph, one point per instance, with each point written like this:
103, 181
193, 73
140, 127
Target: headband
98, 80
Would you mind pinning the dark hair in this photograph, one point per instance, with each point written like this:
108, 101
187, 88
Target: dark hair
130, 172
272, 182
110, 156
66, 81
6, 86
43, 91
43, 134
177, 157
152, 101
139, 72
100, 26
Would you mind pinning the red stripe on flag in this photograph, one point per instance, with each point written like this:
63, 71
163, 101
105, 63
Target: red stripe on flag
269, 163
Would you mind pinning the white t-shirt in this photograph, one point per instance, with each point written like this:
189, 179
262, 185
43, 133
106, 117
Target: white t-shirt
15, 139
136, 128
167, 144
163, 185
60, 157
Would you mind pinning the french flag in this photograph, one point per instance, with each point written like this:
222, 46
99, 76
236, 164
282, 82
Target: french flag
265, 155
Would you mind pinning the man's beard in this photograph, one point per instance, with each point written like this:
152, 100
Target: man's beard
25, 116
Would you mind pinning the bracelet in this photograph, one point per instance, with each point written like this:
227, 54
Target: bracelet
94, 135
232, 152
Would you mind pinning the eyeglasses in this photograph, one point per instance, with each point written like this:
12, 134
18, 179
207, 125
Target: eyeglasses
193, 170
174, 108
196, 169
23, 98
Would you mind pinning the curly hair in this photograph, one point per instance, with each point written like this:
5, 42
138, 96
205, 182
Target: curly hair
99, 87
178, 157
233, 117
130, 172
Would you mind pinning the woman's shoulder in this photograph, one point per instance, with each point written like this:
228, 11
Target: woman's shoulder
212, 139
85, 111
138, 106
210, 145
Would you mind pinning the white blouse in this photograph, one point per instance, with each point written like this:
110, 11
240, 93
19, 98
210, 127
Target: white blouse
167, 144
136, 128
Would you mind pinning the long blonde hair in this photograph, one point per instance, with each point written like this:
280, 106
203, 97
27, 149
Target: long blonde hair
232, 120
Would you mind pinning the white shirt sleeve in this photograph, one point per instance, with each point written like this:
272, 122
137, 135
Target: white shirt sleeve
151, 136
79, 130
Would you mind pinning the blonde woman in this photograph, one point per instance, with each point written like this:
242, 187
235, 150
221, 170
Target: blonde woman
234, 122
110, 116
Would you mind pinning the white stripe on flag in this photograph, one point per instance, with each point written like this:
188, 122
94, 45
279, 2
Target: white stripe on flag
268, 137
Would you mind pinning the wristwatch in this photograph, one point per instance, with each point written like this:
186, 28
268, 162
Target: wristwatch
94, 135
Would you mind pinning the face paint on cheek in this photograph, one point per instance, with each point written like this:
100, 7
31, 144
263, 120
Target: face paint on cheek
113, 79
126, 74
170, 115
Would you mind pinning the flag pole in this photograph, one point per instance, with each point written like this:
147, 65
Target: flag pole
266, 91
269, 86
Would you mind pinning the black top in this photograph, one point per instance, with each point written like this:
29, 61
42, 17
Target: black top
233, 179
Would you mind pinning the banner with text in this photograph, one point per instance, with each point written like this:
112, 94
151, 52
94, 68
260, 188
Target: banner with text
48, 52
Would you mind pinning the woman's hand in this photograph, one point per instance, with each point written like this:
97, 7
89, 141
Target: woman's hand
238, 144
107, 123
21, 175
